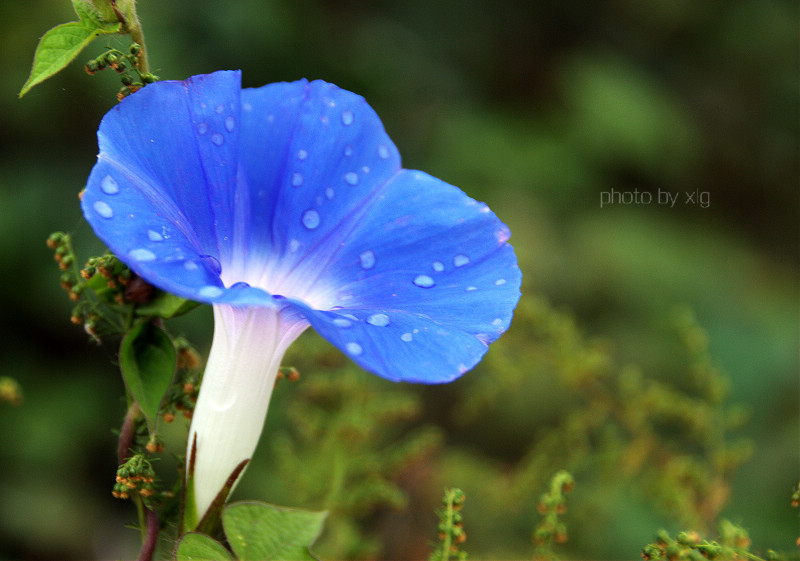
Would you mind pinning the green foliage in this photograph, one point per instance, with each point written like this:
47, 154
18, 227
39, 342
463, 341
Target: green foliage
346, 447
59, 46
450, 529
147, 359
256, 531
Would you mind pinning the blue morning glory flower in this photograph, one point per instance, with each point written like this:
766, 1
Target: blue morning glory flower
286, 206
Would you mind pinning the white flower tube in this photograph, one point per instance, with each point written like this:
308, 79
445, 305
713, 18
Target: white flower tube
246, 353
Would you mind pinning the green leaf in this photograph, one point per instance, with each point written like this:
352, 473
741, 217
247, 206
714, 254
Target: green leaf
258, 531
147, 359
59, 46
200, 547
166, 305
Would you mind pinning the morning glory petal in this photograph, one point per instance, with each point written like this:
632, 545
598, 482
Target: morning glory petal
425, 265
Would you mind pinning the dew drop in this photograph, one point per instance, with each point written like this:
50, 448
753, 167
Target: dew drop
310, 219
217, 139
213, 263
379, 320
407, 337
294, 245
302, 155
341, 322
297, 179
497, 322
354, 348
220, 109
347, 118
329, 193
351, 178
438, 266
210, 291
471, 288
247, 107
240, 284
230, 123
365, 169
154, 236
383, 152
348, 150
202, 128
190, 265
460, 260
424, 281
499, 282
102, 208
142, 254
109, 185
367, 259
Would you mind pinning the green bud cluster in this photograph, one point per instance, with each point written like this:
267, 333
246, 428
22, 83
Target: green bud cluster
10, 391
128, 65
733, 544
135, 475
450, 528
552, 505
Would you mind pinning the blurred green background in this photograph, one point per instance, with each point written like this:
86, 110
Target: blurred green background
537, 108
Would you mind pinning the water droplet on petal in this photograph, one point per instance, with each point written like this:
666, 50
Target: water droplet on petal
471, 288
438, 266
407, 337
154, 236
424, 281
190, 265
102, 208
354, 348
230, 124
210, 291
351, 178
365, 169
109, 185
379, 320
460, 260
220, 109
329, 193
347, 118
202, 128
142, 254
217, 139
302, 154
341, 322
297, 179
367, 259
383, 152
213, 263
348, 150
499, 282
310, 219
240, 284
497, 322
294, 245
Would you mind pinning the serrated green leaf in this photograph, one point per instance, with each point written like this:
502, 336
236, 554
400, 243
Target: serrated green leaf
194, 546
59, 46
147, 359
88, 14
166, 305
258, 531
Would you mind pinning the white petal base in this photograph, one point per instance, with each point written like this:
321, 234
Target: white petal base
246, 353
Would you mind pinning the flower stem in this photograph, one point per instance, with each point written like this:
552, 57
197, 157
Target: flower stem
130, 24
151, 536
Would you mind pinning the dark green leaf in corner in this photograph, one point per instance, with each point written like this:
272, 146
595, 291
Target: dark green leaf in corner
199, 547
258, 531
147, 359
